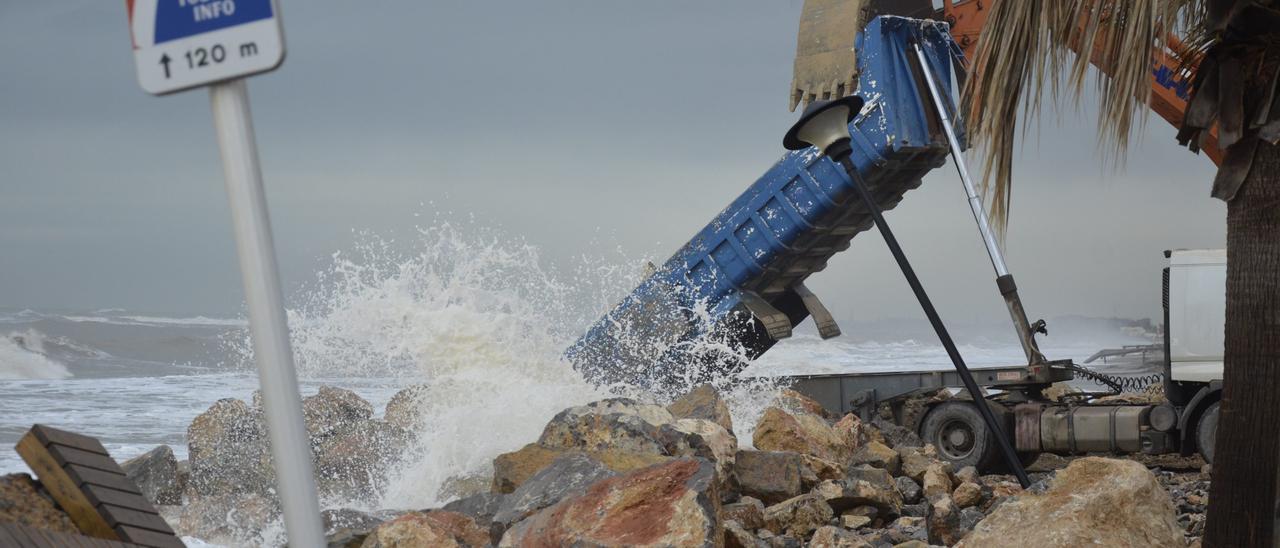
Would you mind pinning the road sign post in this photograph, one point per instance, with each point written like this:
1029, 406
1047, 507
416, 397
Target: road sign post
181, 44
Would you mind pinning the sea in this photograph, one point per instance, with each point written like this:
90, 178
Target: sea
478, 319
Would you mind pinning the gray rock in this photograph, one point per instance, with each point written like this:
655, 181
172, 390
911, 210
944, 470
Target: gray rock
618, 423
897, 436
569, 474
703, 402
909, 488
349, 519
738, 536
156, 475
480, 506
771, 476
333, 410
969, 518
748, 512
918, 510
227, 449
353, 462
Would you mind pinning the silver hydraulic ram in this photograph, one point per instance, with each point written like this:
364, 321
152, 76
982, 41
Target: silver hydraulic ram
1004, 280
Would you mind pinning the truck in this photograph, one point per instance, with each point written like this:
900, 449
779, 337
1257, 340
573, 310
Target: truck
738, 287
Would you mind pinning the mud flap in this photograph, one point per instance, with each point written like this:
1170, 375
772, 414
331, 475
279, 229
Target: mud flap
776, 323
826, 324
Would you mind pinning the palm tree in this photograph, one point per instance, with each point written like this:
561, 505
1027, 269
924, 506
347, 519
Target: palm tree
1231, 53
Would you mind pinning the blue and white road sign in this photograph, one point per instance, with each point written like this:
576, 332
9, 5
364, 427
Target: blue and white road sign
181, 44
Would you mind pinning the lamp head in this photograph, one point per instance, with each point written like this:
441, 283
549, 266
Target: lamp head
823, 123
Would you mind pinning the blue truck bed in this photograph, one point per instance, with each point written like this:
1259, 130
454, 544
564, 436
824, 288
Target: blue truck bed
738, 285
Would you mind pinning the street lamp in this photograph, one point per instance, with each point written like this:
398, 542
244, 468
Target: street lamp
825, 124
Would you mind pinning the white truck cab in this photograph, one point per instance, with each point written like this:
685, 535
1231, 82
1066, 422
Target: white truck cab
1197, 311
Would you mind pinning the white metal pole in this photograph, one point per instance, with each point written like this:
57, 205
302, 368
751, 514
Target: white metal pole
282, 405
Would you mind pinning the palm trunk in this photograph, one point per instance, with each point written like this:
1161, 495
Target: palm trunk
1243, 495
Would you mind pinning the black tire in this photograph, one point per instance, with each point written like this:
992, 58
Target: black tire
1207, 432
957, 431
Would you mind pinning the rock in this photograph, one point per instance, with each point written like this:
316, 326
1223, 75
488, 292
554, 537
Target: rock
944, 522
1094, 501
156, 475
333, 410
480, 507
967, 494
864, 486
433, 528
582, 428
345, 538
464, 485
835, 537
771, 476
937, 481
669, 504
799, 431
229, 518
798, 516
748, 512
348, 519
569, 474
227, 450
738, 536
702, 438
510, 470
915, 461
703, 402
969, 518
917, 510
909, 489
814, 470
22, 501
1059, 390
795, 402
969, 474
896, 436
352, 463
406, 408
914, 543
853, 521
878, 455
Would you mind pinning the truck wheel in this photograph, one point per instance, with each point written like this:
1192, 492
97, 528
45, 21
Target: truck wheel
1207, 432
957, 431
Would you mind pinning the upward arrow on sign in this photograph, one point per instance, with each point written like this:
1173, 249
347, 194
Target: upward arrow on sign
164, 60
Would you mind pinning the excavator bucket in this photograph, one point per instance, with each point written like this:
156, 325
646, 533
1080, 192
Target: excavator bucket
826, 65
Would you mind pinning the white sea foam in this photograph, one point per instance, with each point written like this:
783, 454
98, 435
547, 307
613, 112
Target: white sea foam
23, 357
139, 320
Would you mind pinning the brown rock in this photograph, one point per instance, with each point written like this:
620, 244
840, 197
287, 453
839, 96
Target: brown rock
835, 537
333, 410
228, 518
771, 476
914, 543
433, 528
916, 460
969, 474
865, 486
814, 470
570, 474
227, 450
944, 523
798, 516
583, 428
406, 408
878, 455
702, 438
967, 494
21, 501
798, 432
510, 470
738, 536
703, 402
670, 504
748, 512
937, 481
796, 402
353, 462
854, 521
1093, 502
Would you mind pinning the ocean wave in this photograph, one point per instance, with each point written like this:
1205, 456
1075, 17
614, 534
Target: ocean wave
23, 357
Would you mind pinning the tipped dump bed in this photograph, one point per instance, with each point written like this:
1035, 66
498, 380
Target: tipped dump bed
738, 282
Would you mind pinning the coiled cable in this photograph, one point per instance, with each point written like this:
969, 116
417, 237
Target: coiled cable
1117, 384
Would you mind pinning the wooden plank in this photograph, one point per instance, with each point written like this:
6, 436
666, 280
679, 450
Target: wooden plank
49, 435
64, 489
146, 537
23, 539
7, 538
93, 476
99, 495
70, 455
117, 516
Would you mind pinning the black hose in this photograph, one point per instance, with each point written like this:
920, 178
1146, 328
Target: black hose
1116, 383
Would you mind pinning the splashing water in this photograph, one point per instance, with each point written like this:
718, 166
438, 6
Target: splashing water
479, 324
23, 356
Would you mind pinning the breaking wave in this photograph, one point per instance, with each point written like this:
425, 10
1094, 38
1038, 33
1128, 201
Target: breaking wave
23, 357
478, 322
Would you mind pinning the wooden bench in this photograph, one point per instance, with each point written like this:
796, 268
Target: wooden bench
92, 488
22, 536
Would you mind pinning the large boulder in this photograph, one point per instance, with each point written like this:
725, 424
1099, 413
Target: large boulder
227, 450
937, 481
22, 502
589, 428
703, 402
878, 455
747, 512
437, 528
229, 518
797, 424
156, 475
510, 470
352, 464
569, 474
771, 476
406, 407
798, 516
865, 486
702, 438
333, 410
1093, 502
670, 504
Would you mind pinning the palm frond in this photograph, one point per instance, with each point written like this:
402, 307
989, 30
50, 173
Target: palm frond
1028, 47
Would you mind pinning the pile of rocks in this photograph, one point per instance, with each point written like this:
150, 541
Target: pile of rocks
623, 472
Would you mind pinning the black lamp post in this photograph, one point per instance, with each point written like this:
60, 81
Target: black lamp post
825, 124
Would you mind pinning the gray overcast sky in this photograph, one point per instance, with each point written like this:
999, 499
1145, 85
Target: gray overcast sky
563, 121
